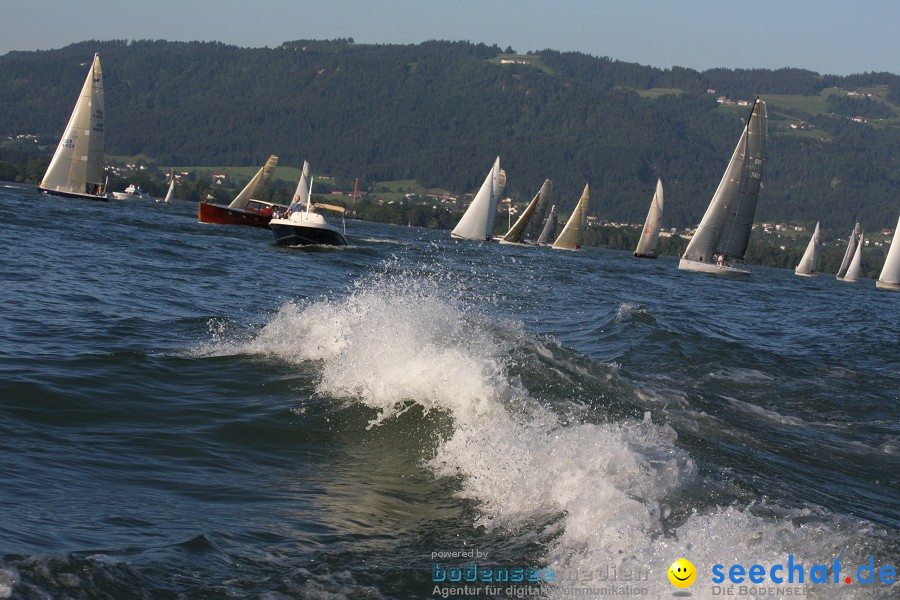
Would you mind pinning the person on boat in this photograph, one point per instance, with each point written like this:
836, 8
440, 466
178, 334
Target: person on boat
296, 204
721, 260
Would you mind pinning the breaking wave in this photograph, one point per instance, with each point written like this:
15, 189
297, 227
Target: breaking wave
606, 490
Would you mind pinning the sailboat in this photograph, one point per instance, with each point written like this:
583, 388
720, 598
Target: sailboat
530, 221
245, 209
890, 273
849, 252
171, 191
646, 247
852, 274
573, 233
807, 265
76, 169
308, 227
549, 231
478, 221
724, 231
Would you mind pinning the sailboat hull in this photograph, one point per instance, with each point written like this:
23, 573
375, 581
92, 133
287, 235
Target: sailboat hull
712, 268
462, 237
223, 215
884, 285
806, 274
288, 233
651, 255
47, 192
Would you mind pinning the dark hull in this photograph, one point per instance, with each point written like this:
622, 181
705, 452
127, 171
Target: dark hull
47, 192
222, 215
295, 235
651, 255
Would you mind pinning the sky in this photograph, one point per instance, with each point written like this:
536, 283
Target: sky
836, 37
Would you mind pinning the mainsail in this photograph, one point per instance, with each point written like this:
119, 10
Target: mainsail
478, 220
573, 233
303, 188
516, 233
807, 265
530, 220
890, 273
849, 252
852, 274
171, 191
256, 186
534, 225
725, 228
650, 234
77, 165
549, 231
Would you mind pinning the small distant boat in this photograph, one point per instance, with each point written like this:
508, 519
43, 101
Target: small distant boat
890, 273
477, 222
646, 247
850, 252
527, 225
305, 227
852, 274
549, 231
132, 192
724, 231
244, 209
572, 235
807, 265
76, 169
171, 190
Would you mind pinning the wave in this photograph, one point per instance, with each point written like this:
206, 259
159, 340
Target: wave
606, 489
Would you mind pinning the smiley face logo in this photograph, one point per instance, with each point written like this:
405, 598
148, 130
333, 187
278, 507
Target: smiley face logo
682, 573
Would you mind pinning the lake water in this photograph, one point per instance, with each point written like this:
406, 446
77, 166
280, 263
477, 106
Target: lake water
188, 411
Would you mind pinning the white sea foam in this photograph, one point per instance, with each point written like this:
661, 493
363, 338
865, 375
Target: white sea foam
9, 579
608, 487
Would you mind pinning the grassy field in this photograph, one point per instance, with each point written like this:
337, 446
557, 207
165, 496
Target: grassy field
657, 92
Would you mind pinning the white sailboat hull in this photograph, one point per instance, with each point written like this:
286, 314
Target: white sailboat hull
806, 274
700, 267
888, 286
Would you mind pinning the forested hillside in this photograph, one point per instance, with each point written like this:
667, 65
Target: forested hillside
439, 112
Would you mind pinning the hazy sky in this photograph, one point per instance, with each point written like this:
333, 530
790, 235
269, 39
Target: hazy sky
827, 36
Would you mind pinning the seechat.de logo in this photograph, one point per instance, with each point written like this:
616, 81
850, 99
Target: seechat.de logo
682, 573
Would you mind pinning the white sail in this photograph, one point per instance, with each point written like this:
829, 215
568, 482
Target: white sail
171, 191
650, 233
725, 228
807, 265
301, 194
256, 186
303, 184
478, 220
849, 252
853, 270
573, 233
890, 273
77, 164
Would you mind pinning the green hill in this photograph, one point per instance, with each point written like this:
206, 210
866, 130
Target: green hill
439, 112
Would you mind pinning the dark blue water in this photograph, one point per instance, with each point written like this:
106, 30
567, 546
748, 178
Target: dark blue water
187, 411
